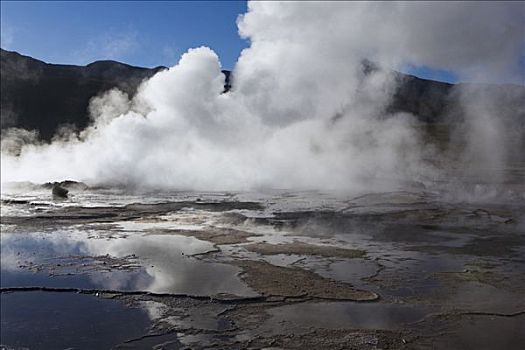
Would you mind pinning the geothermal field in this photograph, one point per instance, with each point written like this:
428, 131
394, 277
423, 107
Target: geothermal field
400, 269
356, 180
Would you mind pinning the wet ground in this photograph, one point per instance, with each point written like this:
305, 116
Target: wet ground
412, 269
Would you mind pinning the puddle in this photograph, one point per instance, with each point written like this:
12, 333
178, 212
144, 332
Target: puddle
351, 271
346, 315
78, 321
154, 263
484, 333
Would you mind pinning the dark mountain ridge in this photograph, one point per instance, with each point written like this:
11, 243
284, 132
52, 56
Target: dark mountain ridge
39, 96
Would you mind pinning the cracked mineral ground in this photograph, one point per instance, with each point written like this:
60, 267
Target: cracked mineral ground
410, 269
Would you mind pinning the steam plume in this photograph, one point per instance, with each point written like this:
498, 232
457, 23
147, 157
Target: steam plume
301, 113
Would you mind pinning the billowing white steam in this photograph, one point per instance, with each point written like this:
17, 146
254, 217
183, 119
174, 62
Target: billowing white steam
301, 113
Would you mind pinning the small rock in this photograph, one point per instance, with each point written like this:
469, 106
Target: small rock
59, 192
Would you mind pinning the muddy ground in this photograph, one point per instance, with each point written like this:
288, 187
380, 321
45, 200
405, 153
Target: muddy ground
397, 270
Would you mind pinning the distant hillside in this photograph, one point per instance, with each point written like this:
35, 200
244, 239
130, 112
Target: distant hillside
39, 96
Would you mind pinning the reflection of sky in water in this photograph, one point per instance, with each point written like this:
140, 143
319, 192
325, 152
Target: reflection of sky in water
84, 320
166, 266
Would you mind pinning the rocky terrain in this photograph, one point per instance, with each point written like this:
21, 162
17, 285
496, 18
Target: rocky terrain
275, 270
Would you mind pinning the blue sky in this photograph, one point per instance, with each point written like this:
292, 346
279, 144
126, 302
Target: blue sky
139, 33
135, 32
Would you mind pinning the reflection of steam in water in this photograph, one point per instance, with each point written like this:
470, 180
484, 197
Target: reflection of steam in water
167, 265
